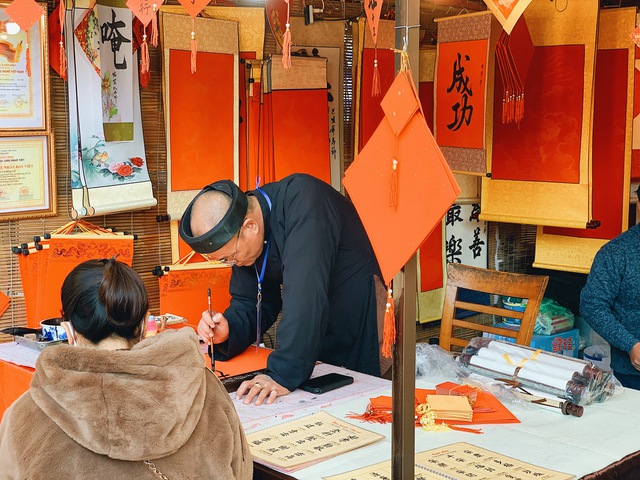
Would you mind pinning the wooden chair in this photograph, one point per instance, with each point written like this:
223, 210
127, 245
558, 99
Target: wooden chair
506, 284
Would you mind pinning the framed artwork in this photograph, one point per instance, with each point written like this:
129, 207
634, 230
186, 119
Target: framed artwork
27, 176
24, 74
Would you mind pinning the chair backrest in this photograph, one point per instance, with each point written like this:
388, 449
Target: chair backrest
503, 284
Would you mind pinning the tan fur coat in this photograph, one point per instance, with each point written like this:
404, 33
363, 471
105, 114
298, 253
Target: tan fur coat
98, 414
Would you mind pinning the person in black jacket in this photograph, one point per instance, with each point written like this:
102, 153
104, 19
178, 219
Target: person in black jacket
296, 246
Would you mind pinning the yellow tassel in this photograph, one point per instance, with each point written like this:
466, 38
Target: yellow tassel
389, 330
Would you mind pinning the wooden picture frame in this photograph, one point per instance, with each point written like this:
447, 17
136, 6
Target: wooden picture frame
27, 176
24, 74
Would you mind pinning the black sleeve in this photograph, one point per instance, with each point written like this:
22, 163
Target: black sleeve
312, 237
241, 313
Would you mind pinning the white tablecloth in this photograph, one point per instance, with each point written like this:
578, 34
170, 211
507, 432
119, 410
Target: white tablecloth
604, 434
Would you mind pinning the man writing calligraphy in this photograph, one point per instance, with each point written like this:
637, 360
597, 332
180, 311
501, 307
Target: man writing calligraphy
296, 246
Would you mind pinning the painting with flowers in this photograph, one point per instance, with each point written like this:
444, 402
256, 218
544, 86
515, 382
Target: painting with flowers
107, 176
102, 165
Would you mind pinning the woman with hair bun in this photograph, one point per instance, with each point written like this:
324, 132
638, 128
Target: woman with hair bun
121, 405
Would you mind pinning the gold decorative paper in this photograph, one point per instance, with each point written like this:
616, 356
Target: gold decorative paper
310, 73
427, 57
327, 34
570, 254
549, 203
576, 254
214, 36
251, 27
386, 35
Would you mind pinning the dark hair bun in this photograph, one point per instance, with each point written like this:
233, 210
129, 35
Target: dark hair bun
104, 297
120, 292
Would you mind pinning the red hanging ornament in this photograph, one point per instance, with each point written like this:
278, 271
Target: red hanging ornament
372, 9
146, 12
193, 8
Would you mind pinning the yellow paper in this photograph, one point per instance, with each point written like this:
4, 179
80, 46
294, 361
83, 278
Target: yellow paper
459, 461
313, 438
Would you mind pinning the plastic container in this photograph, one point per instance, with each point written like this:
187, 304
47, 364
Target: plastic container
515, 304
599, 355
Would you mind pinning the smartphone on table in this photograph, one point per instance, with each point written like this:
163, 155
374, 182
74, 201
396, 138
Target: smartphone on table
326, 383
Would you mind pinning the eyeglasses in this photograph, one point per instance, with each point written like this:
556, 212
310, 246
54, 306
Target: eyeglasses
229, 262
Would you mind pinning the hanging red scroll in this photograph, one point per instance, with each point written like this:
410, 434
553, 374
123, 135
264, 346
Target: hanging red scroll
206, 149
45, 265
573, 249
531, 174
463, 73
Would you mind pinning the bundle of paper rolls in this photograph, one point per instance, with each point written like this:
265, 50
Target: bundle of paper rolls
579, 381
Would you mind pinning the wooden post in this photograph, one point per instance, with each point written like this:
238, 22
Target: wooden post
404, 355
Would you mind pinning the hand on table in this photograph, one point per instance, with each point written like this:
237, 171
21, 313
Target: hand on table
635, 356
213, 330
260, 388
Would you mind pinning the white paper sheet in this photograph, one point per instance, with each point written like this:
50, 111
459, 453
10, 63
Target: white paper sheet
14, 353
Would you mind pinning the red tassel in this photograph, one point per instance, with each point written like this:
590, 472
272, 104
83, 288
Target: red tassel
393, 185
375, 86
519, 108
286, 48
144, 79
372, 415
465, 429
28, 59
154, 26
144, 55
194, 47
62, 61
389, 331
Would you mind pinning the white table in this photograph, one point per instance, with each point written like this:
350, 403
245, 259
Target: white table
603, 435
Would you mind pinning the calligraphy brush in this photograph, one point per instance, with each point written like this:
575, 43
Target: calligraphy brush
210, 348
